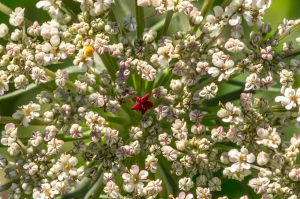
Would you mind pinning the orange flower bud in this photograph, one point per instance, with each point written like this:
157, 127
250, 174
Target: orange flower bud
88, 50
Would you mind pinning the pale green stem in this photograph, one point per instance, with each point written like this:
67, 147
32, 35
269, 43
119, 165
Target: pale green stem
6, 120
167, 23
110, 65
139, 12
98, 190
6, 10
256, 167
21, 144
292, 54
124, 6
158, 25
69, 12
225, 3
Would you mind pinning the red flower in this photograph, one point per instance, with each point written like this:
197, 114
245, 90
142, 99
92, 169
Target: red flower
142, 104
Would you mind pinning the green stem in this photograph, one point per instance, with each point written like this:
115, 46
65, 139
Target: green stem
110, 65
225, 3
139, 11
48, 87
137, 84
167, 23
148, 86
281, 109
69, 12
292, 54
159, 24
6, 120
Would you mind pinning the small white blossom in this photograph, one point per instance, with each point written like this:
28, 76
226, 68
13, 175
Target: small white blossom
133, 180
27, 113
16, 18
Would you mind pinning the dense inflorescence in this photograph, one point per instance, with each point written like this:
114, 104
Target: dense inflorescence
141, 114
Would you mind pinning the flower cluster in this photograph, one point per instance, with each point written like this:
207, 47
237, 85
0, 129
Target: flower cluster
138, 115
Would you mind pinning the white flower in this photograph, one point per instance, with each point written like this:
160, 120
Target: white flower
9, 135
230, 113
234, 45
182, 195
17, 17
52, 6
49, 29
295, 174
100, 7
240, 159
224, 67
111, 189
185, 184
179, 129
165, 54
149, 35
290, 99
252, 82
38, 75
82, 61
46, 192
259, 185
133, 181
267, 53
27, 113
3, 30
3, 82
268, 137
285, 27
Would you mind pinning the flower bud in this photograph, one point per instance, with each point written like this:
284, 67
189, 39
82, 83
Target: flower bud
181, 144
175, 85
129, 23
3, 30
263, 158
149, 35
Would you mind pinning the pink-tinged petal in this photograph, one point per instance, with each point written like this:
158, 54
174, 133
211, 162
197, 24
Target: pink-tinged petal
128, 187
143, 174
10, 126
140, 186
126, 176
134, 169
